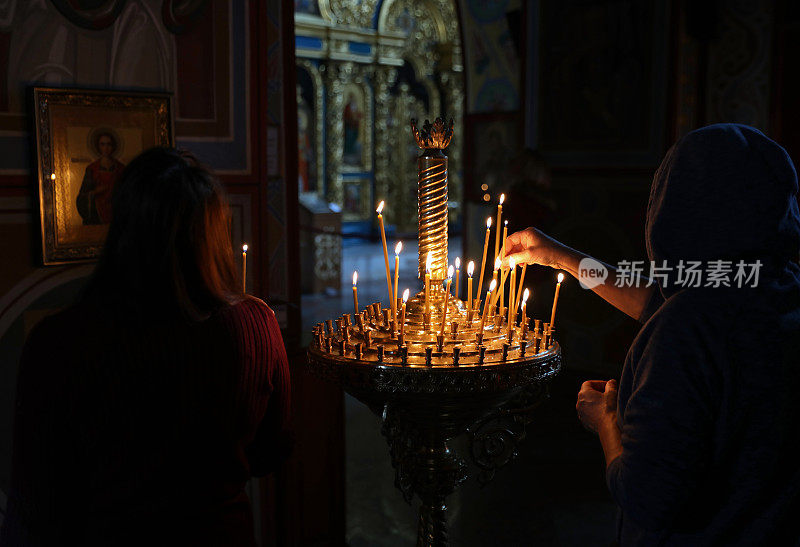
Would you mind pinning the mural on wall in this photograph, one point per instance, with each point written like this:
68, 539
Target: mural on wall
138, 48
491, 55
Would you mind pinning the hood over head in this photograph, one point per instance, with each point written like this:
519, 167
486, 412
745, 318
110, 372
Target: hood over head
724, 192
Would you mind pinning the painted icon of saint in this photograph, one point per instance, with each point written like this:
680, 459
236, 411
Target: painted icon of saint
94, 197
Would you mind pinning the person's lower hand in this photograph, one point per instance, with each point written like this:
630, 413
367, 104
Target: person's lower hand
530, 246
597, 404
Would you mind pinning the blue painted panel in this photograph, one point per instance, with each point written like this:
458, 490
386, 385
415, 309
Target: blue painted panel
359, 48
307, 42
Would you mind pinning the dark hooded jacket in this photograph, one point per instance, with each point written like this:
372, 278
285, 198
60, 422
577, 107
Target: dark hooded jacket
709, 404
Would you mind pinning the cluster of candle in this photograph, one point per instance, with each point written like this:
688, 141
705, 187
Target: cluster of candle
497, 300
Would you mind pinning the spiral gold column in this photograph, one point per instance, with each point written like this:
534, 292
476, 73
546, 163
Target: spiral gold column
432, 195
432, 211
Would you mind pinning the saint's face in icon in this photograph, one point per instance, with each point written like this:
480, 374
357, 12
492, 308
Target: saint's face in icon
106, 146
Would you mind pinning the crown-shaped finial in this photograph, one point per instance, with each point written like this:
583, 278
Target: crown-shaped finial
433, 136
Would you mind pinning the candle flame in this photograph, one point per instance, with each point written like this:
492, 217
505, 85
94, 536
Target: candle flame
488, 223
53, 176
525, 296
502, 198
470, 268
429, 262
244, 248
493, 285
458, 263
512, 263
405, 295
497, 263
560, 277
450, 271
398, 248
380, 207
505, 223
355, 278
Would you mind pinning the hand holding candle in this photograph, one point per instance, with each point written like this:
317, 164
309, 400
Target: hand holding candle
244, 268
555, 300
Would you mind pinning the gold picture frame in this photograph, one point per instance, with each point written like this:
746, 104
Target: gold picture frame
84, 139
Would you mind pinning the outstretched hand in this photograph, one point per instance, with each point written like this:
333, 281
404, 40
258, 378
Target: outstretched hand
530, 246
597, 403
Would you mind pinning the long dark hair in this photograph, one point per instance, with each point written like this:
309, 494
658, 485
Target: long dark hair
168, 248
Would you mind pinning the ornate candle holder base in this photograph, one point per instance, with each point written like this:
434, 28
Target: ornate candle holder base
424, 408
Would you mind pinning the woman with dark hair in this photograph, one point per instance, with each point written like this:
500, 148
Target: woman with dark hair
701, 434
143, 410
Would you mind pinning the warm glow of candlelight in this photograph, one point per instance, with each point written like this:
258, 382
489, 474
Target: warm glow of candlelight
379, 210
458, 263
488, 222
53, 176
525, 296
355, 292
244, 268
385, 256
470, 268
398, 248
502, 198
458, 271
450, 272
493, 285
512, 263
497, 263
403, 314
555, 300
407, 292
486, 306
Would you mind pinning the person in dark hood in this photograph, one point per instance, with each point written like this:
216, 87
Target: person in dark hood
702, 434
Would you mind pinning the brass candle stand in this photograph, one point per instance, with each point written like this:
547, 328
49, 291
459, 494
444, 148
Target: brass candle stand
430, 385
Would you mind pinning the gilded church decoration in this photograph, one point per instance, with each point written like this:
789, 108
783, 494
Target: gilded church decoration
310, 127
380, 63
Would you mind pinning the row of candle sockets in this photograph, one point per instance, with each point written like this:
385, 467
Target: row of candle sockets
495, 296
542, 338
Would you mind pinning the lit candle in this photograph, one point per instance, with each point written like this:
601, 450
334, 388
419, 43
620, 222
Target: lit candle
523, 312
355, 291
487, 305
458, 272
519, 288
483, 260
379, 210
244, 268
428, 264
497, 233
470, 269
446, 299
403, 313
512, 265
397, 249
555, 300
502, 249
